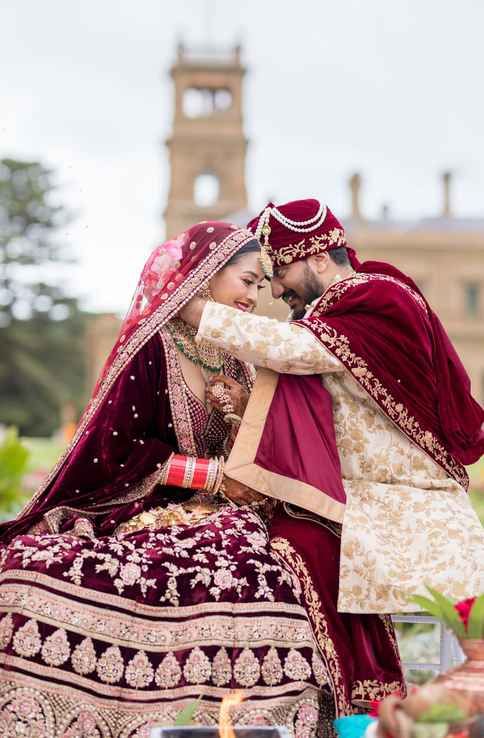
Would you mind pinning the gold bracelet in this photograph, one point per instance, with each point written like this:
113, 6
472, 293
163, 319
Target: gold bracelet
220, 474
189, 472
211, 475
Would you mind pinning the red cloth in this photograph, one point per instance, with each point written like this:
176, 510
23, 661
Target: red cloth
298, 431
391, 327
386, 335
286, 245
126, 432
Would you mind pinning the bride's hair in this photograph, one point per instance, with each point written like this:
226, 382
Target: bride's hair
250, 247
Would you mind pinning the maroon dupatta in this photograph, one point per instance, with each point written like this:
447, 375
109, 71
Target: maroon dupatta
126, 431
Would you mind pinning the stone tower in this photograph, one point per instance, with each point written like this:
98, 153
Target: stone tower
207, 147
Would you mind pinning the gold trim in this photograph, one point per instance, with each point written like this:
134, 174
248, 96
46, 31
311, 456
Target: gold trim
339, 346
182, 294
130, 631
285, 255
136, 695
241, 464
62, 705
123, 603
320, 627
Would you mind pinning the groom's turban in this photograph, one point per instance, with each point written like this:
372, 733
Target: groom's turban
296, 230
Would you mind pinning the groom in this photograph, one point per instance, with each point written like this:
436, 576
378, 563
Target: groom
380, 441
401, 411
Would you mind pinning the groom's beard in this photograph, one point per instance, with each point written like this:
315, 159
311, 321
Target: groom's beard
309, 290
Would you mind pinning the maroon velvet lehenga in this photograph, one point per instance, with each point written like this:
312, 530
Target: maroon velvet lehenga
123, 600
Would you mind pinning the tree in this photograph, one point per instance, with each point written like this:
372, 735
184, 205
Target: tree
41, 325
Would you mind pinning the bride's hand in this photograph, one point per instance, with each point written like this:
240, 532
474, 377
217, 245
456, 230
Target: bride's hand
227, 395
191, 313
239, 493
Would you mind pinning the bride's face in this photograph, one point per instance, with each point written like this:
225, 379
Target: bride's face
238, 284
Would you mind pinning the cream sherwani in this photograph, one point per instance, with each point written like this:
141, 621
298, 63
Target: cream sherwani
406, 523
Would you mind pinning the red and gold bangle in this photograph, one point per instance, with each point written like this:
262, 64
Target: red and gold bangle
191, 472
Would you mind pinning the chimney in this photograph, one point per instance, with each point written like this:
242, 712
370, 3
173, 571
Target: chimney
355, 187
385, 211
446, 181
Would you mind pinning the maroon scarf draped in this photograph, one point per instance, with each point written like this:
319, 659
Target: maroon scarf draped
381, 328
127, 430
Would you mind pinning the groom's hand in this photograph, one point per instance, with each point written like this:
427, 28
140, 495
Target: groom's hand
192, 312
239, 493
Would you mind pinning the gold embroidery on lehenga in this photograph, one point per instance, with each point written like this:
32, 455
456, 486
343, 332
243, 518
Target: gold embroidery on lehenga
197, 669
314, 608
56, 649
139, 672
30, 707
271, 669
6, 631
221, 668
110, 666
168, 673
296, 667
26, 641
84, 657
247, 668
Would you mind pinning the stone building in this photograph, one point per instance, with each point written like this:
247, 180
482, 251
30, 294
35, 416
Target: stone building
207, 146
207, 150
443, 254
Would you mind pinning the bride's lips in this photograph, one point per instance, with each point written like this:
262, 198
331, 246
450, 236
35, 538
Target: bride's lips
242, 306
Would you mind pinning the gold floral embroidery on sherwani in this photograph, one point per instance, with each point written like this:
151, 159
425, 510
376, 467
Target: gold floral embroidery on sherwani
407, 523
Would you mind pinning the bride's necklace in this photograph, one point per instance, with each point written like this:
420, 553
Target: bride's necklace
203, 354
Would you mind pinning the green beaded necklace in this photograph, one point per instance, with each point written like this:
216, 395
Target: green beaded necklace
184, 338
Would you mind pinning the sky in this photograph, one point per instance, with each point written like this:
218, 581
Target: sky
389, 88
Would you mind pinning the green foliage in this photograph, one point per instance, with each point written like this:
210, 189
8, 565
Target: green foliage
442, 713
444, 609
41, 327
475, 625
185, 716
13, 465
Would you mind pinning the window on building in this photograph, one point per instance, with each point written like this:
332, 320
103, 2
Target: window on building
206, 189
472, 296
200, 102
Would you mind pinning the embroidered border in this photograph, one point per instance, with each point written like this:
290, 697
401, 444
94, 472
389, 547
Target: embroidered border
315, 611
253, 629
60, 710
180, 411
182, 294
338, 344
336, 290
302, 249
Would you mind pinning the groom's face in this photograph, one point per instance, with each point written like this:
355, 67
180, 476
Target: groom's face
298, 285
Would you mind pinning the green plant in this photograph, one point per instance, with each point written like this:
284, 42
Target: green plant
464, 618
13, 464
186, 715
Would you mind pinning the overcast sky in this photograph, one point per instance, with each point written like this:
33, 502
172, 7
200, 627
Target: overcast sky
391, 88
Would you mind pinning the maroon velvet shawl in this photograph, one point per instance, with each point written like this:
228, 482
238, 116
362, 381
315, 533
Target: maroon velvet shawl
130, 428
395, 347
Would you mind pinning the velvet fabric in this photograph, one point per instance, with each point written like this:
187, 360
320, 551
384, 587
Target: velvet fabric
286, 245
298, 439
366, 663
126, 432
385, 334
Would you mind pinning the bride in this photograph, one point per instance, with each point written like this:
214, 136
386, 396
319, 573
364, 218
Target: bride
130, 585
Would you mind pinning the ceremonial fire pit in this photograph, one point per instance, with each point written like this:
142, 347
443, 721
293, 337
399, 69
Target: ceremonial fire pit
200, 731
